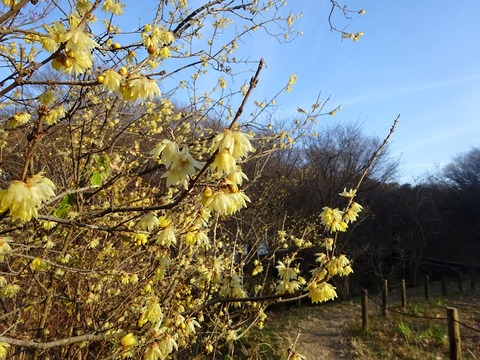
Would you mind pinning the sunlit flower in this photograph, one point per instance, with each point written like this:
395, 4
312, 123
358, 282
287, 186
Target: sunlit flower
3, 349
140, 87
113, 6
112, 80
321, 292
148, 222
57, 32
4, 246
18, 119
79, 41
224, 162
352, 212
181, 167
128, 341
237, 143
332, 219
151, 312
348, 194
23, 199
166, 237
237, 176
38, 264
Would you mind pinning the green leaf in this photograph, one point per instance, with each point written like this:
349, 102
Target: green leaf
64, 206
96, 179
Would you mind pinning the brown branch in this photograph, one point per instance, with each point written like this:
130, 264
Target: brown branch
14, 10
376, 154
61, 342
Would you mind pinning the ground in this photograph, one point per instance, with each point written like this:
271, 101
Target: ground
321, 331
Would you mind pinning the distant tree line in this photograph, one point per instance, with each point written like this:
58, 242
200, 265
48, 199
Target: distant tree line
401, 226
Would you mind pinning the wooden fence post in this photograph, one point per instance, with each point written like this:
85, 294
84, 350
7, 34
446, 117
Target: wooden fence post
365, 309
427, 287
385, 297
404, 294
454, 334
444, 285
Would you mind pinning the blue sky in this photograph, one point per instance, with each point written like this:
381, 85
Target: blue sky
419, 59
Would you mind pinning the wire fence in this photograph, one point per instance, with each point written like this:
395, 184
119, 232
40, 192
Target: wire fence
451, 318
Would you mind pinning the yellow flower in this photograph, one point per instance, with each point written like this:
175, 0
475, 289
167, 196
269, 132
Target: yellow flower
222, 83
3, 349
18, 119
321, 292
166, 237
352, 212
4, 246
258, 268
151, 312
165, 52
113, 6
224, 162
9, 291
141, 87
38, 265
128, 341
181, 166
332, 219
148, 222
238, 144
79, 41
112, 81
47, 98
237, 176
57, 32
348, 194
23, 199
226, 203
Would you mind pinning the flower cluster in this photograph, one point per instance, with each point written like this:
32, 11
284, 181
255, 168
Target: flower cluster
77, 55
18, 119
289, 281
179, 163
157, 41
232, 146
226, 201
23, 199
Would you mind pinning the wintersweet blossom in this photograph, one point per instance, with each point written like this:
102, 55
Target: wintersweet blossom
182, 167
140, 87
321, 292
224, 162
18, 119
3, 349
237, 143
332, 219
225, 202
348, 194
113, 7
148, 222
79, 41
111, 81
23, 199
352, 213
4, 246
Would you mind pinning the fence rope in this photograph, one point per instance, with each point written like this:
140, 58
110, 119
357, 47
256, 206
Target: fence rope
406, 314
468, 326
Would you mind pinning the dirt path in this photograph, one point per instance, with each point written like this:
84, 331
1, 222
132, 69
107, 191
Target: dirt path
321, 331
